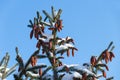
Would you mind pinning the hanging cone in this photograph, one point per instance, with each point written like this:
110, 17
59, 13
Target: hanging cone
50, 44
31, 34
84, 76
111, 56
40, 72
53, 60
68, 53
73, 52
35, 60
104, 74
107, 68
93, 60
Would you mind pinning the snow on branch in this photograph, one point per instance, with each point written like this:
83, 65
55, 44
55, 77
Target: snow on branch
4, 70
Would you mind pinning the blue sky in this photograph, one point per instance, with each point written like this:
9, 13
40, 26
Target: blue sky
91, 23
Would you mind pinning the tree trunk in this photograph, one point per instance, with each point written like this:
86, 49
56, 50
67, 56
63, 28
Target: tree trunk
55, 76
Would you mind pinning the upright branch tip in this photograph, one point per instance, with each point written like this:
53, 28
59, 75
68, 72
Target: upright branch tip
110, 45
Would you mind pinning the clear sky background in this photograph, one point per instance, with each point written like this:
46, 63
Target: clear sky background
93, 24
